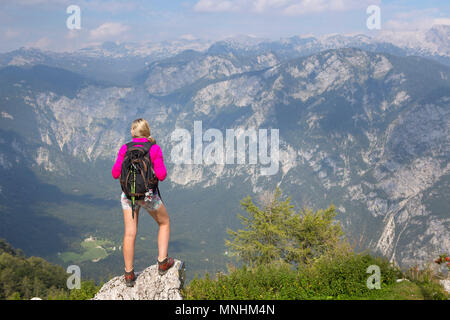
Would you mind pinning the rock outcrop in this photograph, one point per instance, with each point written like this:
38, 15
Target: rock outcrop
149, 285
445, 284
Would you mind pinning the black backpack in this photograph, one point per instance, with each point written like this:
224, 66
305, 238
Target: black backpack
137, 175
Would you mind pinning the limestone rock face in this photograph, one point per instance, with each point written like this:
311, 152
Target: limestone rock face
149, 285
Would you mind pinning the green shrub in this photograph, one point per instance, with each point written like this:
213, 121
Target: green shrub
87, 291
274, 281
345, 274
340, 277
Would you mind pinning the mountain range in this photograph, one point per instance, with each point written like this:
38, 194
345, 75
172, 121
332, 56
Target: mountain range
363, 123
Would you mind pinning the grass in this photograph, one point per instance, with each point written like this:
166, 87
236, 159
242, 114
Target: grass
407, 290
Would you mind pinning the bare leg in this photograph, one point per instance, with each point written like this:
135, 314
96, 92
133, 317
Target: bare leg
161, 217
129, 237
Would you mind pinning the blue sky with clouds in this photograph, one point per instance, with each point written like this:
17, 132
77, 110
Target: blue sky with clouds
42, 23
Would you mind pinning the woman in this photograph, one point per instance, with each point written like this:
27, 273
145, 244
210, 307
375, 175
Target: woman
140, 132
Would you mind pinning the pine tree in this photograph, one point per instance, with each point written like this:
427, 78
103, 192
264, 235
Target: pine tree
277, 232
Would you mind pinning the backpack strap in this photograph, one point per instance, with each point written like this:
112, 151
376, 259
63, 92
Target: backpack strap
148, 145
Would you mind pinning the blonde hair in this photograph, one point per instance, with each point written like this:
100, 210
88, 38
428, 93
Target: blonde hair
141, 129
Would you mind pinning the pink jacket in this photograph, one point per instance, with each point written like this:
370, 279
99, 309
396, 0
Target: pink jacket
156, 156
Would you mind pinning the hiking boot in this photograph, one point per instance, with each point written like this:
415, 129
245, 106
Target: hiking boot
130, 278
165, 265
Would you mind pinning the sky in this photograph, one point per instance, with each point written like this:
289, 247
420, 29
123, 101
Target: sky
43, 23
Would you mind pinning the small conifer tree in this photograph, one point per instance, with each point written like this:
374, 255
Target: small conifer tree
277, 232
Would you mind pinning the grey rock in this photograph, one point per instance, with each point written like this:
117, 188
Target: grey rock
149, 285
446, 285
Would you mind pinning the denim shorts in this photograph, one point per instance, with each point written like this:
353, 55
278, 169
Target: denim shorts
149, 205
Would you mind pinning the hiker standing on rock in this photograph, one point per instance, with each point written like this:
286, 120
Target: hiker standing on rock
140, 166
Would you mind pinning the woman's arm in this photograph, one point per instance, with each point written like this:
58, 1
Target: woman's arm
158, 162
117, 168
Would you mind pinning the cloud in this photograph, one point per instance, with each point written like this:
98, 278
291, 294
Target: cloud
217, 6
188, 37
283, 7
444, 21
418, 24
108, 30
416, 20
316, 6
72, 34
42, 43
